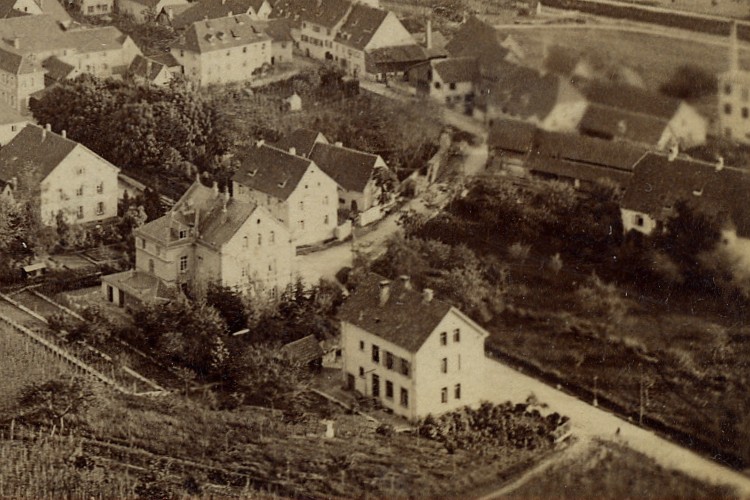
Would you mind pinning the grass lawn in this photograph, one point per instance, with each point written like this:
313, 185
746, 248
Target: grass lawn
611, 470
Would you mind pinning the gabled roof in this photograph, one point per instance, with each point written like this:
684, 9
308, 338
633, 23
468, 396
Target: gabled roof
302, 140
6, 7
511, 135
55, 10
165, 58
145, 67
405, 319
522, 92
144, 286
57, 70
326, 13
625, 97
657, 184
304, 350
34, 34
214, 9
95, 39
220, 34
223, 221
351, 169
478, 39
279, 30
34, 149
457, 69
270, 170
605, 121
360, 26
393, 59
17, 64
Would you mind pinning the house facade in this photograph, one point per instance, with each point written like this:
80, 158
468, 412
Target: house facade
11, 123
413, 353
734, 96
448, 81
71, 179
292, 188
95, 7
208, 237
223, 50
146, 10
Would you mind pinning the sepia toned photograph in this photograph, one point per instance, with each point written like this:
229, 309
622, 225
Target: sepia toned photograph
377, 249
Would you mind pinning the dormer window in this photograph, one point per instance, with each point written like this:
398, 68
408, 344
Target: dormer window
282, 184
183, 234
252, 172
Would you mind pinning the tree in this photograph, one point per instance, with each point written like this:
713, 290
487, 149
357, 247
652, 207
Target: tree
603, 301
229, 304
690, 81
386, 182
688, 233
50, 403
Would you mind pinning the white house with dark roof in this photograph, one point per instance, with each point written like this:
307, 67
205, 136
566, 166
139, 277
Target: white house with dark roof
207, 237
223, 50
182, 18
414, 353
448, 81
301, 141
69, 177
148, 70
294, 189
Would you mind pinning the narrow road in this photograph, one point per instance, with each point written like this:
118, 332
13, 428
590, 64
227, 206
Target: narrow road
503, 383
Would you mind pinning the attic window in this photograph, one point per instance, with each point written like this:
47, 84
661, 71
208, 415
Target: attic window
234, 34
282, 183
252, 172
183, 234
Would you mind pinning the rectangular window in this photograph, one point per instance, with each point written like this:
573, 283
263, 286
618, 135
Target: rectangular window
457, 391
389, 389
79, 213
272, 239
727, 109
405, 368
13, 128
444, 395
727, 89
361, 372
301, 205
325, 200
457, 335
183, 233
361, 345
302, 225
79, 191
260, 239
100, 188
404, 398
744, 113
639, 220
245, 242
183, 263
443, 338
143, 243
444, 365
375, 385
100, 208
325, 220
452, 86
376, 354
388, 360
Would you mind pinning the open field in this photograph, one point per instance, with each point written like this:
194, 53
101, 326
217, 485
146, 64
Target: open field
611, 470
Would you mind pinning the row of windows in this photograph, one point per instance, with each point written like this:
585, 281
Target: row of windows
99, 8
444, 364
456, 336
451, 85
391, 361
80, 213
728, 110
271, 239
317, 29
79, 190
744, 92
444, 393
375, 389
302, 203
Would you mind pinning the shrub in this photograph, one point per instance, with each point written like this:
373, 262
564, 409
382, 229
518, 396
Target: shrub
518, 251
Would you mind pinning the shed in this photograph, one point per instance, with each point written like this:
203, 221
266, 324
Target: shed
306, 350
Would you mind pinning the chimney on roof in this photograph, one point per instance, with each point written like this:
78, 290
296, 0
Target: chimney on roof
428, 34
215, 188
16, 43
720, 164
64, 134
339, 144
48, 127
385, 291
198, 177
427, 294
292, 150
230, 14
405, 281
260, 143
674, 150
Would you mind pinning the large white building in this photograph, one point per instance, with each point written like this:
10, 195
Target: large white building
294, 189
207, 237
414, 353
223, 50
69, 177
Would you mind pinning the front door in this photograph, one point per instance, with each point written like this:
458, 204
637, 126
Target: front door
350, 381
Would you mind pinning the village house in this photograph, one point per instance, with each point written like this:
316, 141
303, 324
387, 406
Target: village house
207, 237
415, 354
476, 38
448, 81
319, 21
11, 123
27, 42
282, 43
293, 188
69, 178
303, 140
508, 145
148, 70
366, 29
223, 50
734, 96
17, 8
580, 160
387, 64
182, 18
623, 112
94, 7
142, 11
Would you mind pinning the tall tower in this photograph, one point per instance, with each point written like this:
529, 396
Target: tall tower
734, 95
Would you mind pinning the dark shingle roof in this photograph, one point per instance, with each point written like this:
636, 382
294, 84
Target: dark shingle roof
522, 92
510, 135
327, 13
405, 319
220, 34
17, 64
628, 98
351, 169
457, 69
34, 149
57, 70
360, 26
165, 58
302, 140
478, 39
658, 183
304, 350
145, 67
144, 286
582, 158
398, 58
213, 9
605, 121
270, 170
280, 30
